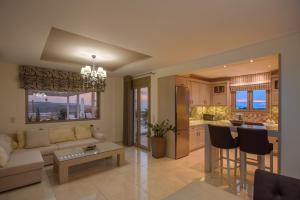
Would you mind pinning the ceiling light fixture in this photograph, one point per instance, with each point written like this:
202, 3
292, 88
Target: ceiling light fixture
251, 60
93, 77
224, 66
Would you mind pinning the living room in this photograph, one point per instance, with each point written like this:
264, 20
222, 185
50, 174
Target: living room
51, 100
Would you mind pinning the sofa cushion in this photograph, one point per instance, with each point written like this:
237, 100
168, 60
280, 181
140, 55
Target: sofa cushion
22, 161
21, 139
3, 157
61, 134
83, 142
83, 132
6, 143
36, 138
99, 136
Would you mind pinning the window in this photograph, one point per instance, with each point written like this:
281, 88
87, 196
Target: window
47, 106
251, 100
241, 100
259, 100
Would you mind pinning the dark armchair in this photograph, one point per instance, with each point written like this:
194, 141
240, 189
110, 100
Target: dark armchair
269, 186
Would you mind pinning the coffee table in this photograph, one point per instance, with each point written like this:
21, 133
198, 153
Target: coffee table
65, 158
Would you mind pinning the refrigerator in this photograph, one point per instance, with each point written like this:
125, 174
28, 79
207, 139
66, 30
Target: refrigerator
182, 121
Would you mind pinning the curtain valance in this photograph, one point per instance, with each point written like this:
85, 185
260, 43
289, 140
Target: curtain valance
38, 78
261, 81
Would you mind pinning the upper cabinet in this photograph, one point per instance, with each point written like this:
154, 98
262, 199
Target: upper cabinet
219, 94
199, 93
181, 81
275, 90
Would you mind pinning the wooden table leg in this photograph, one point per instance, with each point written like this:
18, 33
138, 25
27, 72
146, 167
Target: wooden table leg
63, 174
55, 167
120, 158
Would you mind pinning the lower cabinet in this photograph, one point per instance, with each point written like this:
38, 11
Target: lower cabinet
196, 137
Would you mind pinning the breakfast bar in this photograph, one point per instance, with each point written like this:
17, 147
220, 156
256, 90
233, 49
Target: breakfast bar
211, 153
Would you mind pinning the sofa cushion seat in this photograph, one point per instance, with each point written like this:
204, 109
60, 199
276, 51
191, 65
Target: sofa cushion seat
83, 142
22, 161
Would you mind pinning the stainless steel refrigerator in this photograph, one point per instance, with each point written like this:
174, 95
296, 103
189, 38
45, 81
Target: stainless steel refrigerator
182, 122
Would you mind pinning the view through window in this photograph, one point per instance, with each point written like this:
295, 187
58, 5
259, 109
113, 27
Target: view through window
241, 101
259, 100
43, 106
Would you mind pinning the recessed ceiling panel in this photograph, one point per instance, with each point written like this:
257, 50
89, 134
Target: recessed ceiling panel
66, 47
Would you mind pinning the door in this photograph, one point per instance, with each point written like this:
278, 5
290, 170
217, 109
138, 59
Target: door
182, 122
141, 116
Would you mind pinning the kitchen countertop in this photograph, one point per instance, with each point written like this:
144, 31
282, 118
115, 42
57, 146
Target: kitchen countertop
270, 127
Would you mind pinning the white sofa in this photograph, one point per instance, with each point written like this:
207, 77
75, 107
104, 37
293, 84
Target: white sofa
25, 164
23, 168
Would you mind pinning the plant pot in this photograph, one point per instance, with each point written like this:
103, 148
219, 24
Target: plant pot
158, 145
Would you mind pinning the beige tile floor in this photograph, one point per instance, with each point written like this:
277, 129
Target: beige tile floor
142, 177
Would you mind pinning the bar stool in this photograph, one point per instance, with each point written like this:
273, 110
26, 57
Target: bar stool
254, 141
221, 138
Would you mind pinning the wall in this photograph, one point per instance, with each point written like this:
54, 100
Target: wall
289, 48
12, 106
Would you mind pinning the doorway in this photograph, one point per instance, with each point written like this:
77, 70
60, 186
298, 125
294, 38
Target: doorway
141, 98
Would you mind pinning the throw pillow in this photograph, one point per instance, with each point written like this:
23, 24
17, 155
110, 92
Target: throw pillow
3, 157
36, 138
21, 139
83, 132
61, 134
5, 142
99, 136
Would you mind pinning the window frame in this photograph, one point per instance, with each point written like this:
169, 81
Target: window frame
63, 121
250, 101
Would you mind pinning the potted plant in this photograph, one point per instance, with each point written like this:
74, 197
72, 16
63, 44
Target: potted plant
158, 140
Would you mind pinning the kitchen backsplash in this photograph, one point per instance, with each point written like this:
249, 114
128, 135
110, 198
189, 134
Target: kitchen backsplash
220, 112
223, 112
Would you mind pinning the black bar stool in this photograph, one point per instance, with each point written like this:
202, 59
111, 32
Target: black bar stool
254, 141
220, 137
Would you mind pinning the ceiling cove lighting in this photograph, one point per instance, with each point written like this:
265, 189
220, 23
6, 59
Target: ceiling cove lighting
93, 76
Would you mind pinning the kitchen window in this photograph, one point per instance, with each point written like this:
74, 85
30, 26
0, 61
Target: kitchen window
251, 100
259, 100
241, 100
54, 106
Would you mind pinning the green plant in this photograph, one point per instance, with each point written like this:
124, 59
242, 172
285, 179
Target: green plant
161, 129
62, 115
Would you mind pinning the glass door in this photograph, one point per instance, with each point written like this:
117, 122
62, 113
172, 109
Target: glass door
141, 117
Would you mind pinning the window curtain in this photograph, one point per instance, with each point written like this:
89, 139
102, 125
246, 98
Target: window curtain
38, 78
261, 81
128, 113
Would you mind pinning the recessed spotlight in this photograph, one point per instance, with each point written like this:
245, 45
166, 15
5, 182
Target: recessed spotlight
269, 66
224, 66
251, 60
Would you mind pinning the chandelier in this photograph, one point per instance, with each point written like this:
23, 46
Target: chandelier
93, 77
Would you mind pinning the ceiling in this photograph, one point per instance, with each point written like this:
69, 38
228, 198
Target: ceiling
252, 66
170, 31
70, 48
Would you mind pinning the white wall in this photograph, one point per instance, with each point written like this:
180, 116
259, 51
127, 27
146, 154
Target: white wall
12, 106
289, 49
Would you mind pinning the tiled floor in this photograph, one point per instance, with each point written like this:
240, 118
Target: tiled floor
142, 177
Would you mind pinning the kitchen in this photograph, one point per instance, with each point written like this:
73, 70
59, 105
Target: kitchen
240, 93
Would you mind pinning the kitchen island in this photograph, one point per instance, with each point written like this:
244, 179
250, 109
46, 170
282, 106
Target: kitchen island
211, 153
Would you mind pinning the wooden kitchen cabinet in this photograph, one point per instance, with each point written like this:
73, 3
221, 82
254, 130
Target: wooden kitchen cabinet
219, 94
275, 98
199, 93
196, 137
